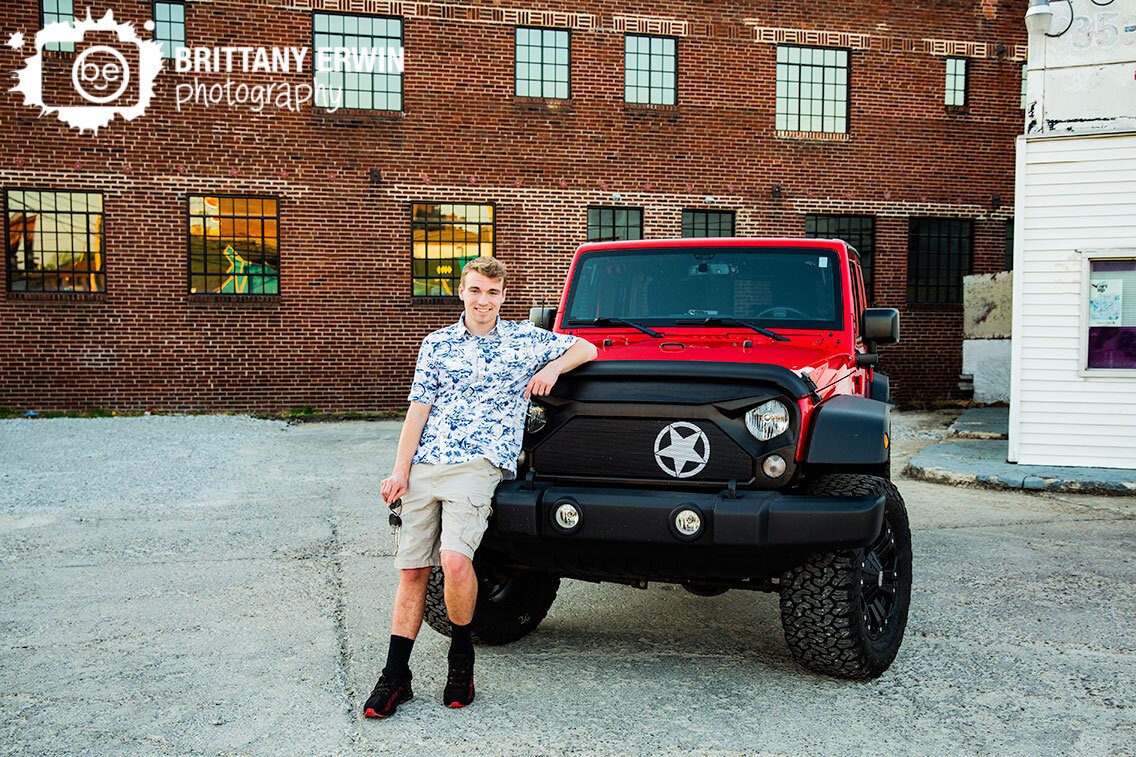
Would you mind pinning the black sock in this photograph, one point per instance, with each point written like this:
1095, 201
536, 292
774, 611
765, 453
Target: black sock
460, 640
398, 656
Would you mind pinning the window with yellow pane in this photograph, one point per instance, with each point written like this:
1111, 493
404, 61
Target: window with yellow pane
55, 241
233, 245
446, 237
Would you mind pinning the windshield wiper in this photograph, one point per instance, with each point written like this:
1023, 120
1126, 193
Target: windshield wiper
615, 322
714, 320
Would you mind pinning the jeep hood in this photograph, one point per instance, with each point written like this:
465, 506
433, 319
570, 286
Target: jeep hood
823, 357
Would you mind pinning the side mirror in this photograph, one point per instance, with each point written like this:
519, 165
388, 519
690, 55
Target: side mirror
880, 325
543, 317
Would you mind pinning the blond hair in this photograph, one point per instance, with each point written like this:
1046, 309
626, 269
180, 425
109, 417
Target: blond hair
490, 268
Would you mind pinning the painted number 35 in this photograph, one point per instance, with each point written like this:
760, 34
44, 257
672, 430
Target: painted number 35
1101, 31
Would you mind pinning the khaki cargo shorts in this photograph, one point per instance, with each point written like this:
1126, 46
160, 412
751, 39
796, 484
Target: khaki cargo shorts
445, 507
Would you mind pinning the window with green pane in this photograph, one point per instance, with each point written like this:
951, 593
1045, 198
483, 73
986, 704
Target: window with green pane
608, 224
55, 12
650, 66
369, 76
956, 81
233, 245
707, 223
446, 236
812, 89
169, 27
542, 62
55, 241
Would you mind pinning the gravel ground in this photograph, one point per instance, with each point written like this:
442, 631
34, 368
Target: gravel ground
222, 585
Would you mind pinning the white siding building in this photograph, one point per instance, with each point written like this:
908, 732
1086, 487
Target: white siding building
1073, 364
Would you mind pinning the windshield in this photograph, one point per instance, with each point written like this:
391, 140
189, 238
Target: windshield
778, 287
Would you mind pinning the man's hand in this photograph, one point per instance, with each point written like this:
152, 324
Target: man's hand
543, 381
393, 487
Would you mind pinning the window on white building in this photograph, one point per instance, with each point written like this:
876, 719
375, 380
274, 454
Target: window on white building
1111, 310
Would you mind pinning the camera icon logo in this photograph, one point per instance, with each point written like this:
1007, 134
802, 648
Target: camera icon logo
106, 80
89, 71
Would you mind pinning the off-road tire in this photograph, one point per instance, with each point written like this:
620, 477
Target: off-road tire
829, 624
509, 605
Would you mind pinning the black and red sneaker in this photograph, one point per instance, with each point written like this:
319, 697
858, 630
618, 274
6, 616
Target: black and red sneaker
459, 684
388, 694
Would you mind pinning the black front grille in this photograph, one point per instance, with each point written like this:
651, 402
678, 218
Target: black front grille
624, 448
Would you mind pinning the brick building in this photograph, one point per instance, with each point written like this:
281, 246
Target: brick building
209, 256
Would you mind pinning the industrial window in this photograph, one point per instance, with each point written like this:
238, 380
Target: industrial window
233, 245
858, 231
169, 27
53, 12
1112, 313
542, 62
362, 65
55, 241
608, 224
707, 223
446, 237
956, 81
649, 70
938, 256
812, 89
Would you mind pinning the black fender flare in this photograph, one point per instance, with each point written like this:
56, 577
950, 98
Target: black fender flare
880, 387
848, 430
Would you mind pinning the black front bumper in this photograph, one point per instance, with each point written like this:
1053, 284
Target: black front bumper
631, 532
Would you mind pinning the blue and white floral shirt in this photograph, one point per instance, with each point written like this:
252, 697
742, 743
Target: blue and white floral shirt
476, 385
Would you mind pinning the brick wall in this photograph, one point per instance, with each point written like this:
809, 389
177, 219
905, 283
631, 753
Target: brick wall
343, 332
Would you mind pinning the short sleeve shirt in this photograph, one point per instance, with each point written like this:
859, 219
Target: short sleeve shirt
476, 385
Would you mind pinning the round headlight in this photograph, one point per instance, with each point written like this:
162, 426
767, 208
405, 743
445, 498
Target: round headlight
535, 418
768, 420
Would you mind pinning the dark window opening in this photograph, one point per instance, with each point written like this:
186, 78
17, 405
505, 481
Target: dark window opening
938, 256
858, 231
609, 224
707, 223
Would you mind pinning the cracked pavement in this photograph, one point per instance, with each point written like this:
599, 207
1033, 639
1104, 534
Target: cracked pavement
222, 585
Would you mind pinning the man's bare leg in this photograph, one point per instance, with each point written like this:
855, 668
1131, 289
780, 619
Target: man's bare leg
461, 587
410, 602
461, 598
393, 687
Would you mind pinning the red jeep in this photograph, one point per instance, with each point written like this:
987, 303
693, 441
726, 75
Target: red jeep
733, 434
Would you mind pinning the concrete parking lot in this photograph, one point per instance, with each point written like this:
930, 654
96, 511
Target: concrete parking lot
222, 585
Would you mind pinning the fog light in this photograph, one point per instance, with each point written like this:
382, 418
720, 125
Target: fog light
535, 419
688, 522
567, 516
773, 466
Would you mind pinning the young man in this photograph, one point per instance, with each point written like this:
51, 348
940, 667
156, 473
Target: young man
461, 436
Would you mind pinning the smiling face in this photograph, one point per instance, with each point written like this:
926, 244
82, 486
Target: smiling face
482, 297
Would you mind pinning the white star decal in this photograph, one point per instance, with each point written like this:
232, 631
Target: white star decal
682, 450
